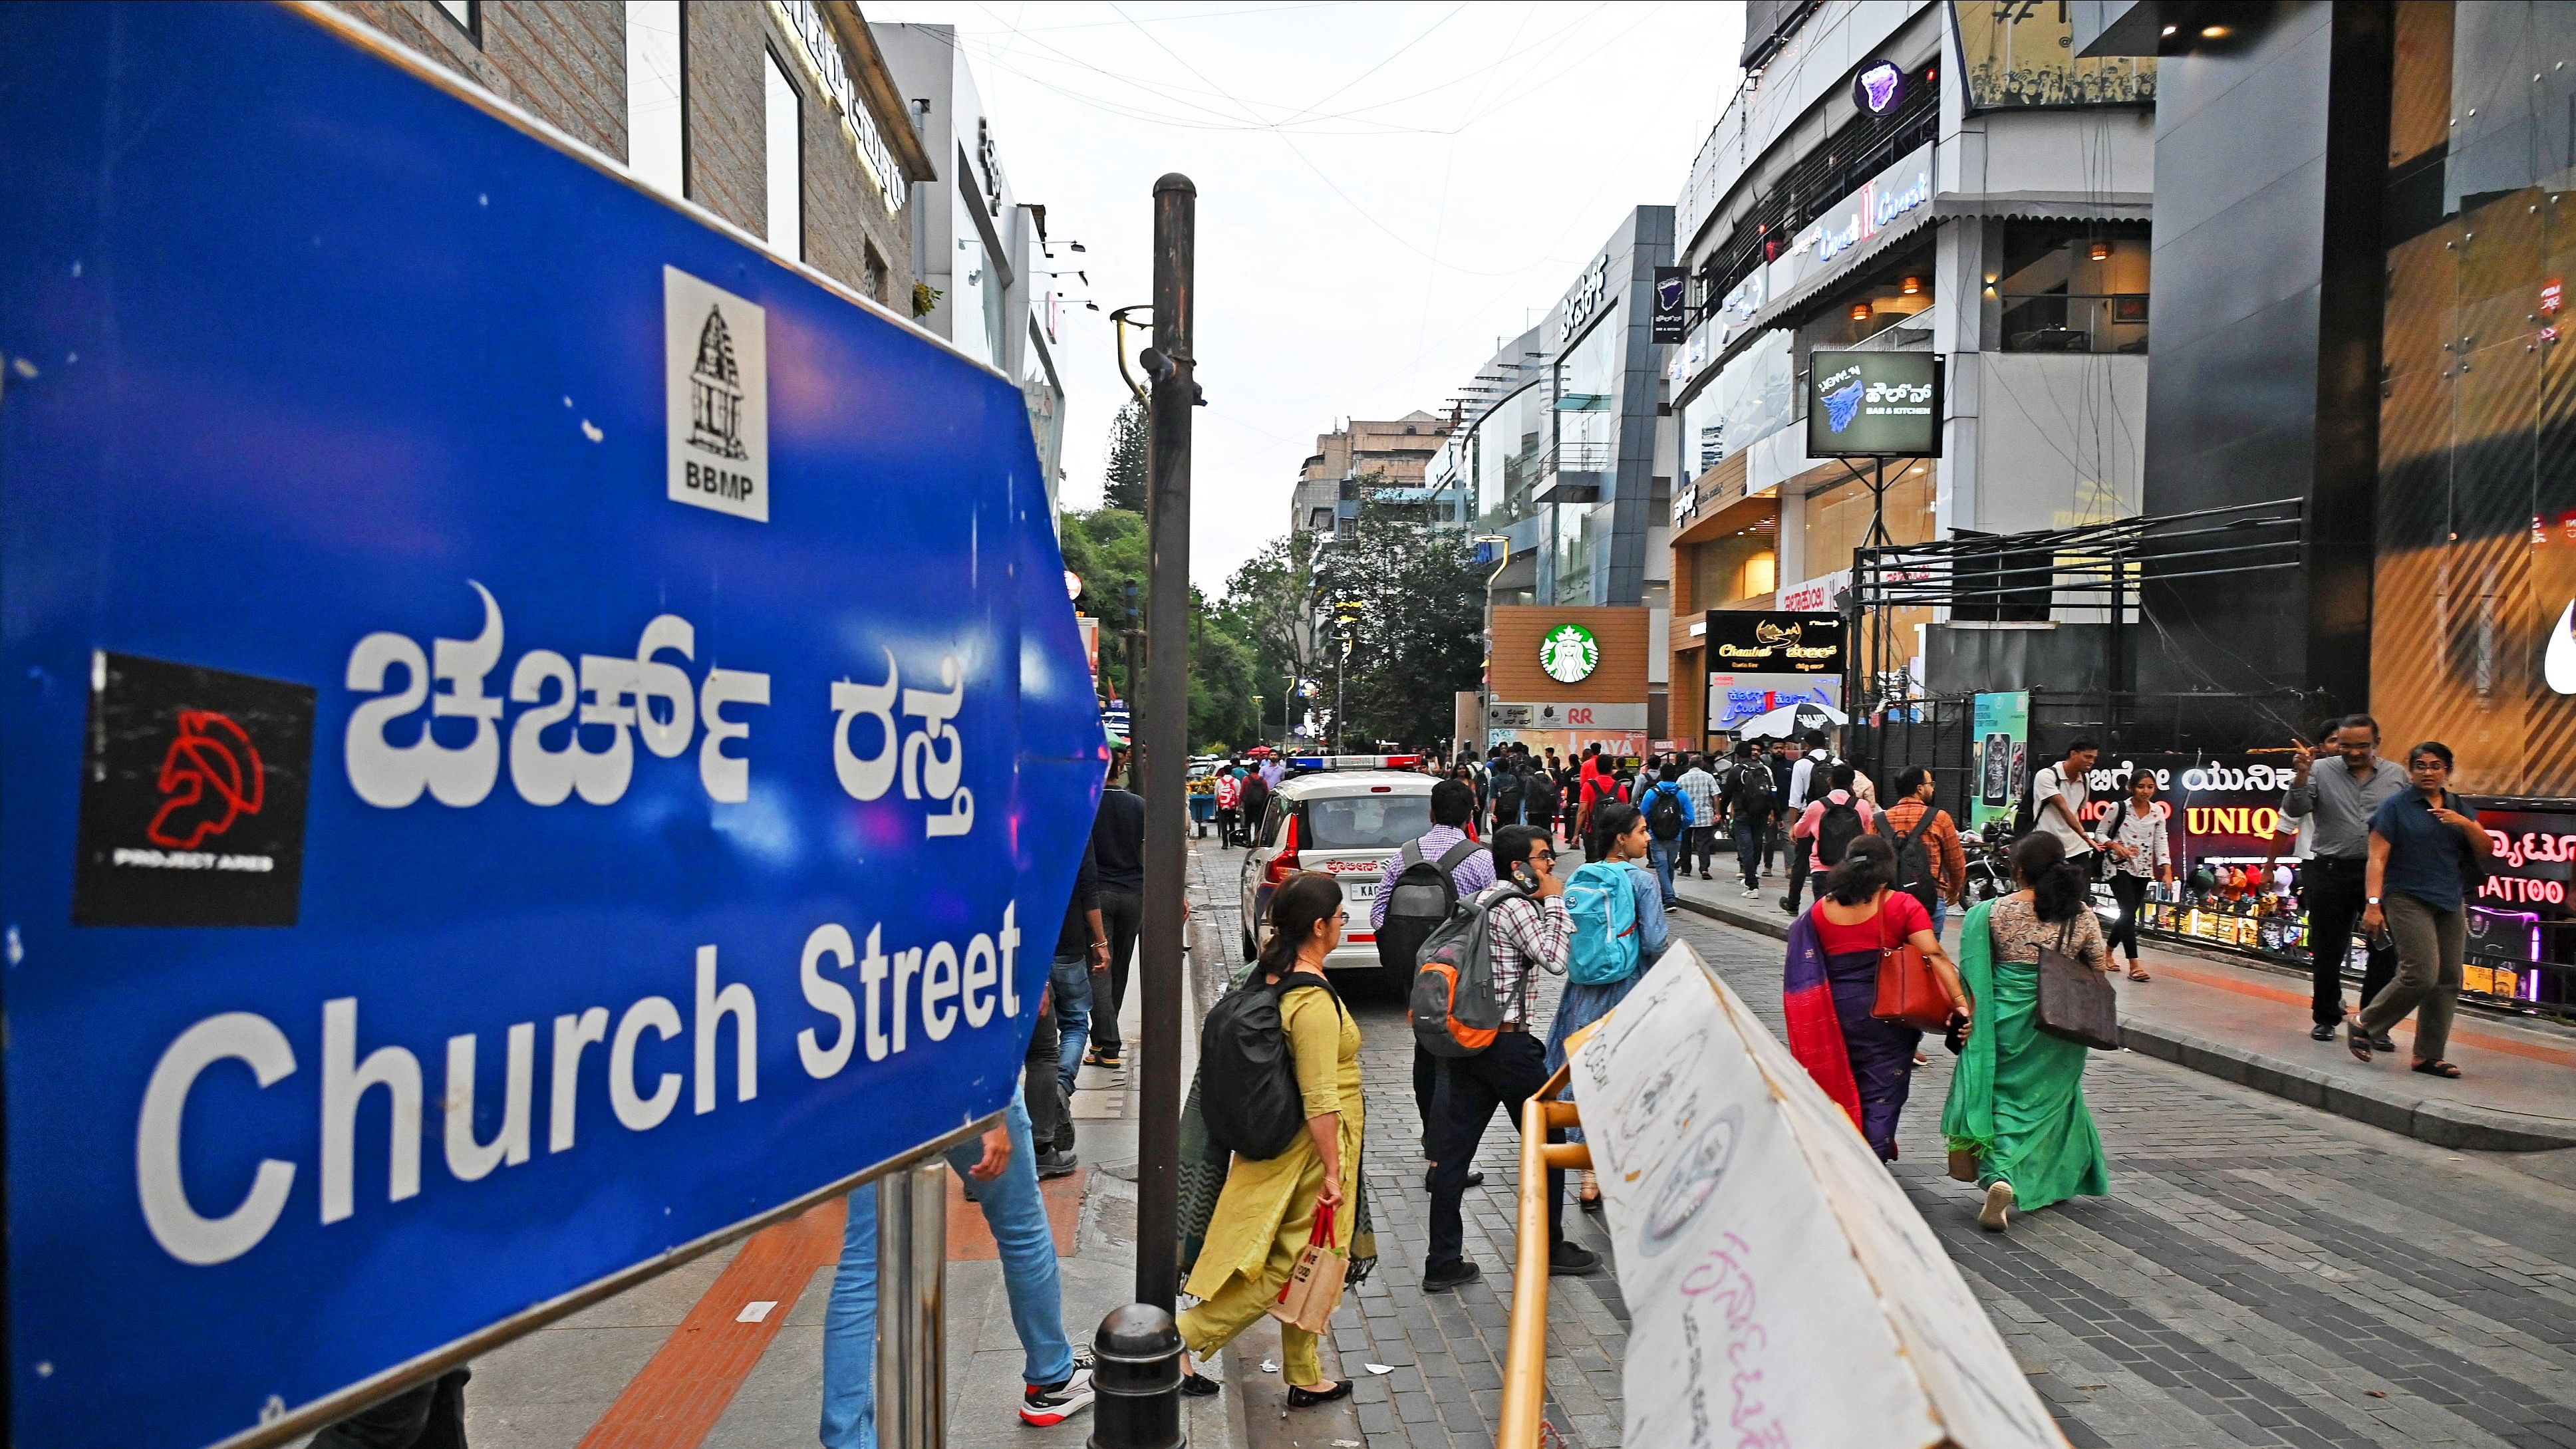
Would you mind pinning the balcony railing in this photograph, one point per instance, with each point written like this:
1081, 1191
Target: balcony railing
2075, 322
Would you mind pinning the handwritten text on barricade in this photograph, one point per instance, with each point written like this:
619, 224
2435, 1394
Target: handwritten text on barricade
574, 733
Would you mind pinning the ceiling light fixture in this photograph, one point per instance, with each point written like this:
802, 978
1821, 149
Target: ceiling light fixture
2101, 249
1912, 287
1860, 311
2213, 32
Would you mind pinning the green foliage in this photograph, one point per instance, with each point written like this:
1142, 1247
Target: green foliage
1419, 636
1107, 549
1124, 484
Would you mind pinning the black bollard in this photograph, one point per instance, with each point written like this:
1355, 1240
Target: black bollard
1136, 1371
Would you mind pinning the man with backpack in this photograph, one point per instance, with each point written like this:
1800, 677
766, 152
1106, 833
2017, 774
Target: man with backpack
1931, 865
1421, 885
1701, 787
1669, 817
1807, 780
1752, 798
1528, 931
1830, 823
1508, 791
1251, 803
1229, 801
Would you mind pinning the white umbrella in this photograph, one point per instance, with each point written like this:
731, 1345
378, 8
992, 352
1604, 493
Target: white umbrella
1790, 721
1780, 1282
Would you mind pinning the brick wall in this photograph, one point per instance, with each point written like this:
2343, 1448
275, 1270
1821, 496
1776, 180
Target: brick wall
565, 62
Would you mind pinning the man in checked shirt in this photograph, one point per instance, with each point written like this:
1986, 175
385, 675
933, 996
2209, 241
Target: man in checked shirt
1530, 933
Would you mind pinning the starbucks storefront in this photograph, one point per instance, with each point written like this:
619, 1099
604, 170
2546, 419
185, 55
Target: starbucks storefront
1568, 677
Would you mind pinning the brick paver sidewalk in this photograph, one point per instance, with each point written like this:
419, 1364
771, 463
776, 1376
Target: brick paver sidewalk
2262, 1274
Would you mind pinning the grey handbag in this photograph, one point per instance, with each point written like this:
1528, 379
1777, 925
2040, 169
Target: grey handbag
2076, 1002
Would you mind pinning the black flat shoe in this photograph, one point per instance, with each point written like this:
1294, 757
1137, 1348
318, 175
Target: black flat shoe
1474, 1178
1308, 1398
1198, 1386
2322, 1031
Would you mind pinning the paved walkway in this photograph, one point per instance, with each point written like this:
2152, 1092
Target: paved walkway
2264, 1273
2249, 1023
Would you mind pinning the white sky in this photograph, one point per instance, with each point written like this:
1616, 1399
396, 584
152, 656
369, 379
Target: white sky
1385, 190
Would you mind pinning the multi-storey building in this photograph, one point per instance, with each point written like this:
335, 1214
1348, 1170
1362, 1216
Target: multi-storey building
781, 118
1557, 462
1390, 456
982, 255
1948, 178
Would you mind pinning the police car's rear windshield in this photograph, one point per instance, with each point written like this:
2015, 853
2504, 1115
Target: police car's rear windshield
1364, 822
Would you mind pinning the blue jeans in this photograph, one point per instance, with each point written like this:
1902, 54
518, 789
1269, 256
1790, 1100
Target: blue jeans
1662, 852
1072, 977
1016, 1213
1940, 913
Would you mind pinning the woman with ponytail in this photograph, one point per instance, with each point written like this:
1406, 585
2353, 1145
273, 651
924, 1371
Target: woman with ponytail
1863, 1063
2016, 1120
1269, 1207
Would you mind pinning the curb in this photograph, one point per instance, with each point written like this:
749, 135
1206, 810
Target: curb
2443, 1124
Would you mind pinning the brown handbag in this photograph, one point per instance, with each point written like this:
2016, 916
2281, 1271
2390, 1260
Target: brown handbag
1908, 992
2076, 1002
1314, 1286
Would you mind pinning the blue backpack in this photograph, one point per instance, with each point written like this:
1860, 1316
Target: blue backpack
1604, 907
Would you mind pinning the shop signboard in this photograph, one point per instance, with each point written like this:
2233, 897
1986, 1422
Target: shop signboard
1734, 698
1672, 314
1874, 405
1558, 715
1996, 756
1892, 198
2222, 809
1766, 642
562, 739
2530, 869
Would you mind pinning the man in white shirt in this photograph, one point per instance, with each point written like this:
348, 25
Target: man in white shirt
2058, 794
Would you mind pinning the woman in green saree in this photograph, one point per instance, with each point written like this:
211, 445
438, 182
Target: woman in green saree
2016, 1119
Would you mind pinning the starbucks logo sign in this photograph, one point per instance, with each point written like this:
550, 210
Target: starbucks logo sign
1569, 653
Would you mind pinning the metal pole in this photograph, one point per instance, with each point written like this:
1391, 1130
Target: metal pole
1165, 736
912, 1292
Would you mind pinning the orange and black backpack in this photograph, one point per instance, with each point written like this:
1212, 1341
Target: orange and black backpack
1453, 1008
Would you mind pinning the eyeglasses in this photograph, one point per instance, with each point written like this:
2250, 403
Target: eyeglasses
1546, 855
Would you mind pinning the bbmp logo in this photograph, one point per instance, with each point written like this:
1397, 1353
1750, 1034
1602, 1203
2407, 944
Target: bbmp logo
716, 364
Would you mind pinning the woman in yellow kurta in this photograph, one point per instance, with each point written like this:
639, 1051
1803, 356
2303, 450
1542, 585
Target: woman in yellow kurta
1267, 1211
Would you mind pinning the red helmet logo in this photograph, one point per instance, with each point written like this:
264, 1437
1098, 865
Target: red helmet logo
212, 776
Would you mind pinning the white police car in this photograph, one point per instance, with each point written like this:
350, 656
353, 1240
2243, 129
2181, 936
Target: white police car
1340, 813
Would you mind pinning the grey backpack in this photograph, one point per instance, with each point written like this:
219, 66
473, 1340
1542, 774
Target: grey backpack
1453, 1010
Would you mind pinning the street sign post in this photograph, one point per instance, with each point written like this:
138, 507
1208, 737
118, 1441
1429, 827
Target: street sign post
538, 733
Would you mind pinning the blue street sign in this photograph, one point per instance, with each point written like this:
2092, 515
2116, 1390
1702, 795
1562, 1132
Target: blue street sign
534, 732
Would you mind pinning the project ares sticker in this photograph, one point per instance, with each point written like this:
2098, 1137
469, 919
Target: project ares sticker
192, 796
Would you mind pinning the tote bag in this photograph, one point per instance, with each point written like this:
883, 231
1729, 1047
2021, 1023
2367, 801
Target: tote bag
1308, 1297
2076, 1002
1908, 993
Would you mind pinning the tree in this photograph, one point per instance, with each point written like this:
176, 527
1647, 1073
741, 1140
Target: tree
1419, 637
1270, 604
1107, 549
1124, 484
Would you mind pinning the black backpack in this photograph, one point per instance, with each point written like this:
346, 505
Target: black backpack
1836, 829
1913, 857
1248, 1093
1425, 893
1507, 797
1753, 792
1664, 817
